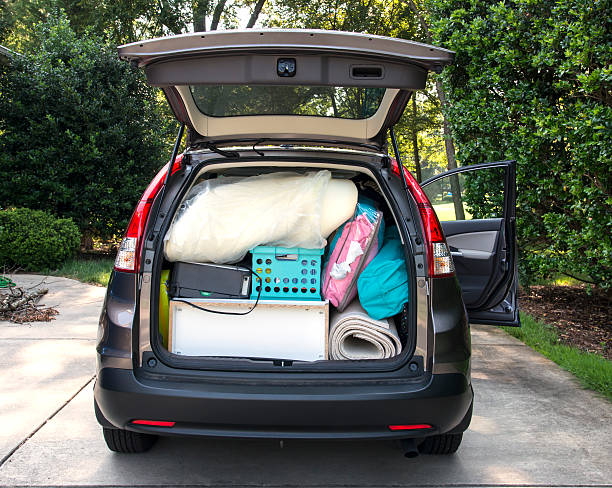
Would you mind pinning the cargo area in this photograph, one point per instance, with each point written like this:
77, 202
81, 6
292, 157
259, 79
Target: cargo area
284, 264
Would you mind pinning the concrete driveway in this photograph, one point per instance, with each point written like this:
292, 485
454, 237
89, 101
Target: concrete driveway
533, 425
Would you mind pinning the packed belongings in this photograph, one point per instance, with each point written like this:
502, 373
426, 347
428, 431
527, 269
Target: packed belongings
356, 335
353, 247
258, 246
383, 284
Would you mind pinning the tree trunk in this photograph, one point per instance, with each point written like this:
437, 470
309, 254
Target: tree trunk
199, 9
415, 141
217, 15
448, 137
256, 11
450, 156
334, 105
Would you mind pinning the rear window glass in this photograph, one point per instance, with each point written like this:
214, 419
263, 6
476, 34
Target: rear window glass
321, 101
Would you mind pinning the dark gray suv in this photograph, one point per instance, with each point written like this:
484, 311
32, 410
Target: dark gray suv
258, 103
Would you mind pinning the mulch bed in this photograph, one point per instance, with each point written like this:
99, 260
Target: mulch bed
583, 320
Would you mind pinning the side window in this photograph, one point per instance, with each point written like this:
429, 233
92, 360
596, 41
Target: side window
468, 195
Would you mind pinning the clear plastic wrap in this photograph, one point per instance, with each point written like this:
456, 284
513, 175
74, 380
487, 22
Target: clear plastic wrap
353, 247
222, 218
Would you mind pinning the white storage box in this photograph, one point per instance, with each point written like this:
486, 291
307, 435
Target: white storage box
276, 329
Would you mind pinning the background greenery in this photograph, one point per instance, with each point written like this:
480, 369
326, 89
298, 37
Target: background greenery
80, 131
531, 82
34, 240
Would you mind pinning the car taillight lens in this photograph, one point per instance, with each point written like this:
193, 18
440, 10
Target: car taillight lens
131, 246
442, 260
126, 256
438, 255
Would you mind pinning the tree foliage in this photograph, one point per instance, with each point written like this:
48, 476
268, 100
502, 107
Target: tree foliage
81, 134
122, 21
532, 82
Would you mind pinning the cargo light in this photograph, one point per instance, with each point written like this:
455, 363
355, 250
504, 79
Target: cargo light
128, 256
440, 262
155, 423
410, 427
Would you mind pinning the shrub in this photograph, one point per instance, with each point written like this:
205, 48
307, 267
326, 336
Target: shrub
35, 240
81, 133
532, 82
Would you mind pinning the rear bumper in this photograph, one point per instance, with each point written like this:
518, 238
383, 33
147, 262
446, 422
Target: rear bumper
307, 411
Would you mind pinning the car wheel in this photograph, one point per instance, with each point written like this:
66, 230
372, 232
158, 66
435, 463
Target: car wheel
126, 441
441, 444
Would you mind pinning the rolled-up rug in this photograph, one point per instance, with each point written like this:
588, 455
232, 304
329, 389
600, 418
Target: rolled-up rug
355, 335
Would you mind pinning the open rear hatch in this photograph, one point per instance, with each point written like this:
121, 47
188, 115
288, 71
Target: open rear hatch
287, 84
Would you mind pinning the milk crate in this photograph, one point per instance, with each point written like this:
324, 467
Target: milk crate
287, 273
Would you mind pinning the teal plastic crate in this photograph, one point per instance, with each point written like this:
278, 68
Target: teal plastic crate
287, 273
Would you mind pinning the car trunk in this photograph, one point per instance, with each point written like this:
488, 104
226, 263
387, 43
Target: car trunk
275, 273
273, 304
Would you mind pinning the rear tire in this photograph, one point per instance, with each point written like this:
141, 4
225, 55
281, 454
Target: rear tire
126, 441
441, 444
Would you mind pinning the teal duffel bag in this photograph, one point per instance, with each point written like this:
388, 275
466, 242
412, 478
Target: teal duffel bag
383, 285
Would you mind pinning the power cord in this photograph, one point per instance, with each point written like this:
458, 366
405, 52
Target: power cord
191, 304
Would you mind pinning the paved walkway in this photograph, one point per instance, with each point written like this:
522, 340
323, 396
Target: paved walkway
533, 425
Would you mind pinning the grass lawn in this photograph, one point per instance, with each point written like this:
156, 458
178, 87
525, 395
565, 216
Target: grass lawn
446, 211
593, 371
96, 271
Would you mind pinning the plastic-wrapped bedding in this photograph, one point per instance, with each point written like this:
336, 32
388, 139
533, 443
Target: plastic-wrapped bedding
355, 335
223, 218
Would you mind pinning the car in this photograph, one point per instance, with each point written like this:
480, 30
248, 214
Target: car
257, 103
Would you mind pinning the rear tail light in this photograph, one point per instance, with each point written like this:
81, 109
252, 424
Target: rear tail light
126, 256
131, 246
442, 260
438, 255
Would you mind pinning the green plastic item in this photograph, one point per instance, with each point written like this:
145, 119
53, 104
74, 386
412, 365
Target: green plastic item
163, 306
6, 282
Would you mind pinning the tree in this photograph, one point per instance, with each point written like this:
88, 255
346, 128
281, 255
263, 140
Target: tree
6, 20
532, 82
391, 18
222, 11
419, 133
448, 137
81, 134
122, 21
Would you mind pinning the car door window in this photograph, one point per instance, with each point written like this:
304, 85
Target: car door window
470, 195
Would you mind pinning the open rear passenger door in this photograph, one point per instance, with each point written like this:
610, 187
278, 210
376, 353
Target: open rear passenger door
476, 208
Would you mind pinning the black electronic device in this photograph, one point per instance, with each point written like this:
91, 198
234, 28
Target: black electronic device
205, 280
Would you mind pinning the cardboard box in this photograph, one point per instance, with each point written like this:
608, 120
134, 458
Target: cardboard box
278, 329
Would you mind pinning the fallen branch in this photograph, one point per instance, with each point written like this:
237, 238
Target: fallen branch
19, 306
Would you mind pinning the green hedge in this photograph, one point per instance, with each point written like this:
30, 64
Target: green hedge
531, 82
83, 129
35, 240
